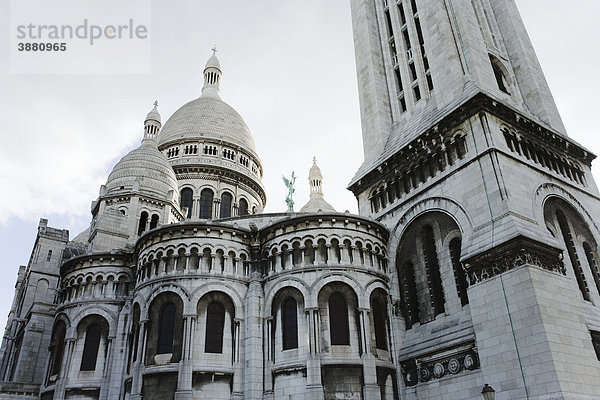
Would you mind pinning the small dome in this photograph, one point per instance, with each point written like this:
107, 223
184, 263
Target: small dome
154, 115
148, 167
315, 171
207, 117
316, 202
213, 62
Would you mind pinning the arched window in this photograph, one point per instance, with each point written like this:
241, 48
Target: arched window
432, 266
226, 200
459, 273
243, 208
500, 78
338, 320
410, 298
215, 322
143, 222
379, 311
154, 221
166, 329
289, 323
90, 347
134, 337
186, 201
206, 201
568, 238
591, 259
49, 255
57, 347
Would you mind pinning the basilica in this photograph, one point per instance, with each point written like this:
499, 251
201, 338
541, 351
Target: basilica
471, 270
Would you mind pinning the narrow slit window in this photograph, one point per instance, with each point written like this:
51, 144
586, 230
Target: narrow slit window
91, 347
215, 324
436, 291
289, 324
338, 320
572, 252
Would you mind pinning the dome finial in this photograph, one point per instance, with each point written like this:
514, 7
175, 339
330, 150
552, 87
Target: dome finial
212, 76
152, 123
317, 201
315, 178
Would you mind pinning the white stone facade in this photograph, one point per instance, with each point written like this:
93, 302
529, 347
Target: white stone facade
474, 259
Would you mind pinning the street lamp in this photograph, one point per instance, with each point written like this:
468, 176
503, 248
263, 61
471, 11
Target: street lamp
488, 392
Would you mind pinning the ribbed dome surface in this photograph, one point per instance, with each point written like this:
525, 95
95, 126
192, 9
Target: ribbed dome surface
315, 172
146, 165
207, 117
317, 202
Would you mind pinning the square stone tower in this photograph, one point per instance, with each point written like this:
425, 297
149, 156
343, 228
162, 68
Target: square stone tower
491, 206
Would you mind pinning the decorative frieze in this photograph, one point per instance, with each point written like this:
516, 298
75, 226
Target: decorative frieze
442, 363
510, 255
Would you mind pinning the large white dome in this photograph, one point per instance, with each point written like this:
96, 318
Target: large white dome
146, 165
207, 118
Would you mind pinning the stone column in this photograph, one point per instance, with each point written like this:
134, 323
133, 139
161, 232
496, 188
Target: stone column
63, 377
108, 367
186, 269
184, 377
302, 255
216, 208
330, 254
344, 255
364, 333
227, 267
314, 386
276, 261
164, 261
253, 341
175, 263
356, 255
371, 388
238, 367
269, 359
108, 360
138, 363
213, 264
239, 267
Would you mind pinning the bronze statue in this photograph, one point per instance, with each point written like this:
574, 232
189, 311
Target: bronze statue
290, 185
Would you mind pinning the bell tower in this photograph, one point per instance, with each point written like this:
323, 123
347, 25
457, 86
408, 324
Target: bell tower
492, 208
414, 56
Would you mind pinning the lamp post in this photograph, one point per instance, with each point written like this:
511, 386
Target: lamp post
488, 392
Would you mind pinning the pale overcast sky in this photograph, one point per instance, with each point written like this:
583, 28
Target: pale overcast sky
288, 69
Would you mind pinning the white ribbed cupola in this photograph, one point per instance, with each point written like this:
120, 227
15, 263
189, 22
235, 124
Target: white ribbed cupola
315, 178
152, 124
212, 76
317, 201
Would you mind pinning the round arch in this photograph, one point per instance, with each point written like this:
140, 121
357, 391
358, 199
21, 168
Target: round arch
283, 284
334, 277
225, 288
432, 204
